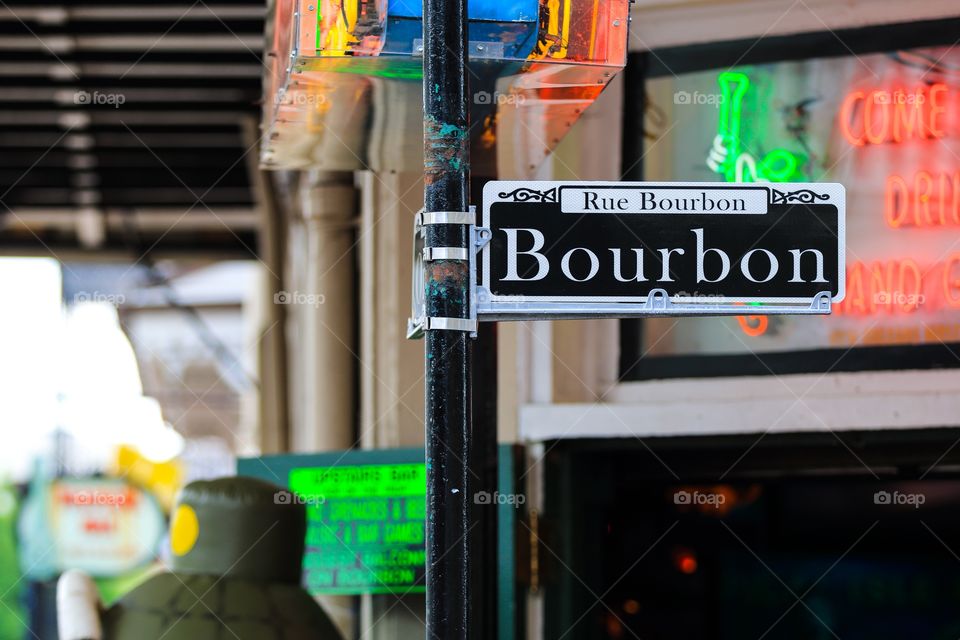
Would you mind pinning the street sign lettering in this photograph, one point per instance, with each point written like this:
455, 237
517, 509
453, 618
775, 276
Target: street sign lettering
568, 243
662, 200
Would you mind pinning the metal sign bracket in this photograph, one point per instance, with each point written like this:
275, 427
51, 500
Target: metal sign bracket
421, 322
658, 303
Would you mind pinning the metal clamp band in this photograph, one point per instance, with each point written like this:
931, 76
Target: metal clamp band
445, 253
450, 324
448, 217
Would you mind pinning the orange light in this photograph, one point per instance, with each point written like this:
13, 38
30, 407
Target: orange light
942, 184
951, 285
894, 115
855, 301
927, 199
754, 326
614, 626
895, 201
910, 286
923, 183
872, 106
938, 98
893, 286
847, 113
685, 561
631, 607
881, 284
907, 120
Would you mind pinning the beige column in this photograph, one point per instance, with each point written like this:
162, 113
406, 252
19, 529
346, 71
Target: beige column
323, 342
321, 301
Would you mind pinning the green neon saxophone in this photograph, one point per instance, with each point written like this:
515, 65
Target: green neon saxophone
727, 157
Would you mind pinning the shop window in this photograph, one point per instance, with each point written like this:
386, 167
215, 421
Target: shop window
887, 126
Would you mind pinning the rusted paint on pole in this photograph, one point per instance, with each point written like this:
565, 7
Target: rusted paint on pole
448, 353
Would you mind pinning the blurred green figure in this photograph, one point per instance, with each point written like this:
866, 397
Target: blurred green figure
237, 547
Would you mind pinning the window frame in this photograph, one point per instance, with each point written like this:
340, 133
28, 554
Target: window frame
647, 65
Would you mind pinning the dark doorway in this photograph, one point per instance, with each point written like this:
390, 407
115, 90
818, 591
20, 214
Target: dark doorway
848, 536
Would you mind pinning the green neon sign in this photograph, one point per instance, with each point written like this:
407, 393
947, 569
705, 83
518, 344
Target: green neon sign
361, 481
365, 527
728, 156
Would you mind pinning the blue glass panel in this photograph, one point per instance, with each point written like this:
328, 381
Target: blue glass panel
494, 10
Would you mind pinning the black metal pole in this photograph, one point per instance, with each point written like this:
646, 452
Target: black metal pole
448, 353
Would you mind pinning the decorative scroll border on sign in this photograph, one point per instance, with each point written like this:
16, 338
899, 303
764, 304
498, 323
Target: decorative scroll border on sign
524, 194
804, 196
530, 195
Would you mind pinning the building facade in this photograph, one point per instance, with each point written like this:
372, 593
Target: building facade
693, 478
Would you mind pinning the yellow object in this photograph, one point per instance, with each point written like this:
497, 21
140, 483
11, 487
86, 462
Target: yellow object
162, 479
554, 43
184, 530
337, 21
593, 28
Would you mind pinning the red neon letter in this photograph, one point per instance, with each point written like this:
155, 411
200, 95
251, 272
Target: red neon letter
877, 100
937, 96
855, 288
922, 184
955, 197
847, 114
942, 181
881, 286
897, 201
910, 302
951, 285
908, 115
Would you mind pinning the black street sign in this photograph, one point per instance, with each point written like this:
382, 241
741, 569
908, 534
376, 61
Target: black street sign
608, 247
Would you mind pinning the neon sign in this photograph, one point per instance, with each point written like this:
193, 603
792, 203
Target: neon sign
365, 527
880, 116
728, 157
754, 326
901, 286
925, 200
922, 199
